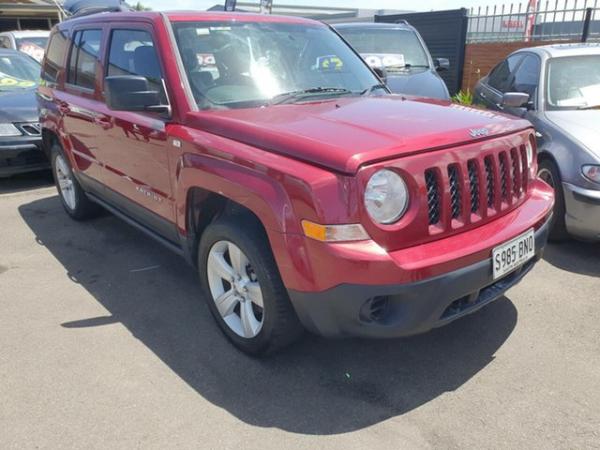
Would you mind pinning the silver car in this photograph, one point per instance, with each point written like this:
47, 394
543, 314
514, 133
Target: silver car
557, 88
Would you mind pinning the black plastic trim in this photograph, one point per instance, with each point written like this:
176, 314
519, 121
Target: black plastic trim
412, 308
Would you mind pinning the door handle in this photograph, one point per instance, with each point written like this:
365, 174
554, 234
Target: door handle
103, 122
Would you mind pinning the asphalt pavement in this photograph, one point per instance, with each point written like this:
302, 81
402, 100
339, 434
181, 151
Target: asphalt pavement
105, 342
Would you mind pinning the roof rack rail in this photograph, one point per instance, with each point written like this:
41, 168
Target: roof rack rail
79, 8
402, 22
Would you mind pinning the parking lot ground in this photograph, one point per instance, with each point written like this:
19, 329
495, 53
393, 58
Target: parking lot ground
105, 342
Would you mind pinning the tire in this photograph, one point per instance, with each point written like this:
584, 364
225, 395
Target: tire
73, 198
268, 327
548, 172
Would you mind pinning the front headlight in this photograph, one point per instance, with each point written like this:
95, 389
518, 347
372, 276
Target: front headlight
386, 197
591, 172
8, 129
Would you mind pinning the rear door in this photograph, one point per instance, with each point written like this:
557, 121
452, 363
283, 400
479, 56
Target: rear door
498, 82
134, 144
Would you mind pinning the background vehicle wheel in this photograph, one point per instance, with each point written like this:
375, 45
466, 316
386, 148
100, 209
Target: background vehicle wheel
74, 200
548, 172
243, 287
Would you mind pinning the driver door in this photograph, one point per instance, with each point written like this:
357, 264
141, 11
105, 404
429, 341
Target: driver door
134, 143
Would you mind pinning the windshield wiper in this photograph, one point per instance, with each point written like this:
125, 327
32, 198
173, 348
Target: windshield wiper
589, 107
368, 91
294, 95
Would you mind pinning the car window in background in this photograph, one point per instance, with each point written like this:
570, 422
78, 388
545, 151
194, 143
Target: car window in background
84, 58
33, 46
527, 76
18, 72
573, 82
132, 52
4, 42
501, 75
235, 65
388, 48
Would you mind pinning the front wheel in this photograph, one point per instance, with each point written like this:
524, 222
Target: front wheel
548, 172
243, 288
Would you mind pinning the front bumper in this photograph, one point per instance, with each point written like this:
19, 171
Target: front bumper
582, 212
21, 155
406, 309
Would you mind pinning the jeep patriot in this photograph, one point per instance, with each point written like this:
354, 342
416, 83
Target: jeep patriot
265, 151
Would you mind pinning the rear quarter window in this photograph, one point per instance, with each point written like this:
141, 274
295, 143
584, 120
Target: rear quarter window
83, 58
55, 56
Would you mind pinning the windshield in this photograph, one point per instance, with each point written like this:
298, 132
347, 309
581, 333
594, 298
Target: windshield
18, 72
34, 46
573, 82
389, 48
236, 64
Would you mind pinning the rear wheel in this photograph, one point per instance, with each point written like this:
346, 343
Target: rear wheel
72, 196
243, 288
548, 172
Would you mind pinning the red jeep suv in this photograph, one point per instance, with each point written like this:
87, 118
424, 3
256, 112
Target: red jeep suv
264, 150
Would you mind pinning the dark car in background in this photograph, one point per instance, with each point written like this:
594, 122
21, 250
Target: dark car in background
557, 88
20, 136
400, 50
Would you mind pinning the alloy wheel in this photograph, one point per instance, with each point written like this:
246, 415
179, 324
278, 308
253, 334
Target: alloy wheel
64, 178
235, 289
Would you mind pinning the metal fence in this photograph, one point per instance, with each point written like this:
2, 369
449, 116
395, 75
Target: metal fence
549, 20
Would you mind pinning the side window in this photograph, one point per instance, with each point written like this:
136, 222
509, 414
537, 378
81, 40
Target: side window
84, 58
501, 75
132, 52
55, 56
4, 42
527, 77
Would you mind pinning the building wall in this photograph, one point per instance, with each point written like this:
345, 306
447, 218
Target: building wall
480, 58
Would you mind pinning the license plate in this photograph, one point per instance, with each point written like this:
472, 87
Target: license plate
507, 257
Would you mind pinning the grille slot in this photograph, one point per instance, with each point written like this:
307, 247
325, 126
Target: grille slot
433, 196
503, 176
455, 192
525, 168
489, 174
474, 185
31, 129
516, 170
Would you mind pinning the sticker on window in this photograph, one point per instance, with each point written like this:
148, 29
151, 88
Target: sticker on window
378, 60
329, 63
8, 81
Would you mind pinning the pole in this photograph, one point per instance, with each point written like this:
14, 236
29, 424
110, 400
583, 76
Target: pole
586, 24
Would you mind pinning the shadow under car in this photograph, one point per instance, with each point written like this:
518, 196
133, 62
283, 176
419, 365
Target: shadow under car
316, 387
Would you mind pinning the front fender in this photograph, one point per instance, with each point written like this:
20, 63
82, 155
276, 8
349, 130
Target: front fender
280, 191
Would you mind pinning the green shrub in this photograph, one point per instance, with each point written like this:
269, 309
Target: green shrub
463, 98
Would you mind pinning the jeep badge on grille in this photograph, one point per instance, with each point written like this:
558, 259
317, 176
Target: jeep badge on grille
479, 132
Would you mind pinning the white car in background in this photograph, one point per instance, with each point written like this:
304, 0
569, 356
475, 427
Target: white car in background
31, 42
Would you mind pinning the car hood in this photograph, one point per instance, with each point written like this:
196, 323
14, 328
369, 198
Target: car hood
580, 125
423, 83
18, 106
345, 133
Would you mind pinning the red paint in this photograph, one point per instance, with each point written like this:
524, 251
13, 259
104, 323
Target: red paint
287, 163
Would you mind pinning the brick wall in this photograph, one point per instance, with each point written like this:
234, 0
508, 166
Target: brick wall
480, 58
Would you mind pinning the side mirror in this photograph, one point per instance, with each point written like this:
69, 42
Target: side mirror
132, 93
441, 64
515, 100
381, 73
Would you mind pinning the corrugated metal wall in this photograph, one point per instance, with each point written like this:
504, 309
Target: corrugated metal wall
445, 33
